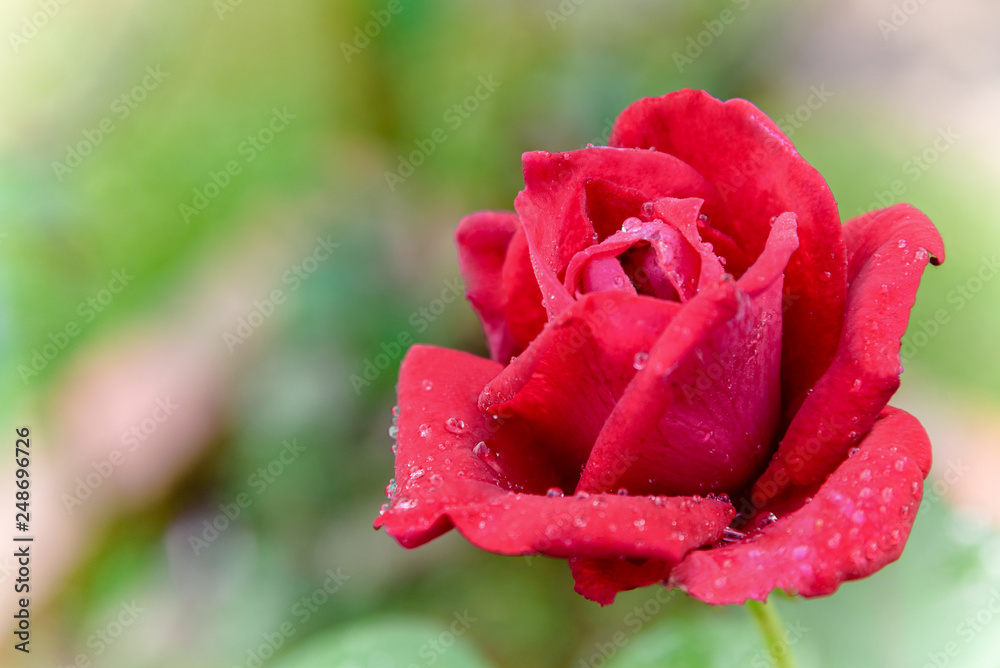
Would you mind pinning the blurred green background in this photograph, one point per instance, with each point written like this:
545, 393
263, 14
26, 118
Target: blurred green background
200, 247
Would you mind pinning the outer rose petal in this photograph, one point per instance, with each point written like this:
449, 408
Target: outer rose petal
553, 205
600, 580
759, 175
467, 486
525, 314
857, 523
483, 239
888, 252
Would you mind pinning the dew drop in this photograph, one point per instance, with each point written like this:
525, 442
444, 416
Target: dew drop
427, 385
631, 224
622, 491
825, 276
902, 243
390, 489
639, 361
406, 503
857, 384
393, 431
554, 492
647, 209
481, 449
454, 425
640, 524
425, 430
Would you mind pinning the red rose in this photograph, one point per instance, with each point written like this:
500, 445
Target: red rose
675, 320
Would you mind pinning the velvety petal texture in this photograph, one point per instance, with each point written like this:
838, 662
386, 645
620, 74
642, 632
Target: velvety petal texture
674, 321
855, 523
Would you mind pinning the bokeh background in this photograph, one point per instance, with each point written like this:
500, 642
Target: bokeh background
199, 248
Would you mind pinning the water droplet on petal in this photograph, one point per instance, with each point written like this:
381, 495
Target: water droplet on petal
427, 385
647, 209
481, 449
454, 425
631, 224
425, 430
393, 431
857, 384
825, 276
406, 503
639, 361
554, 492
622, 491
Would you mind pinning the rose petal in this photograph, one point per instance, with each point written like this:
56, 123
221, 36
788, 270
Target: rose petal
483, 239
699, 417
479, 488
599, 526
759, 175
525, 314
440, 425
553, 204
856, 523
888, 253
600, 580
609, 204
567, 381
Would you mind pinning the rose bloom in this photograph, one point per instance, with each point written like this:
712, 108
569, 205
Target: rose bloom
691, 364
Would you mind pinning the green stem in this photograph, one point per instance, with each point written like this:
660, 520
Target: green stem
773, 631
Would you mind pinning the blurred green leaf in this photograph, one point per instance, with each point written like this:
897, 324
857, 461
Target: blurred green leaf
388, 644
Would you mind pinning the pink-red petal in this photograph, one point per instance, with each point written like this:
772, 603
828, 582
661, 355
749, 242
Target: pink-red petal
888, 252
856, 523
759, 175
457, 466
482, 239
553, 205
700, 416
568, 380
